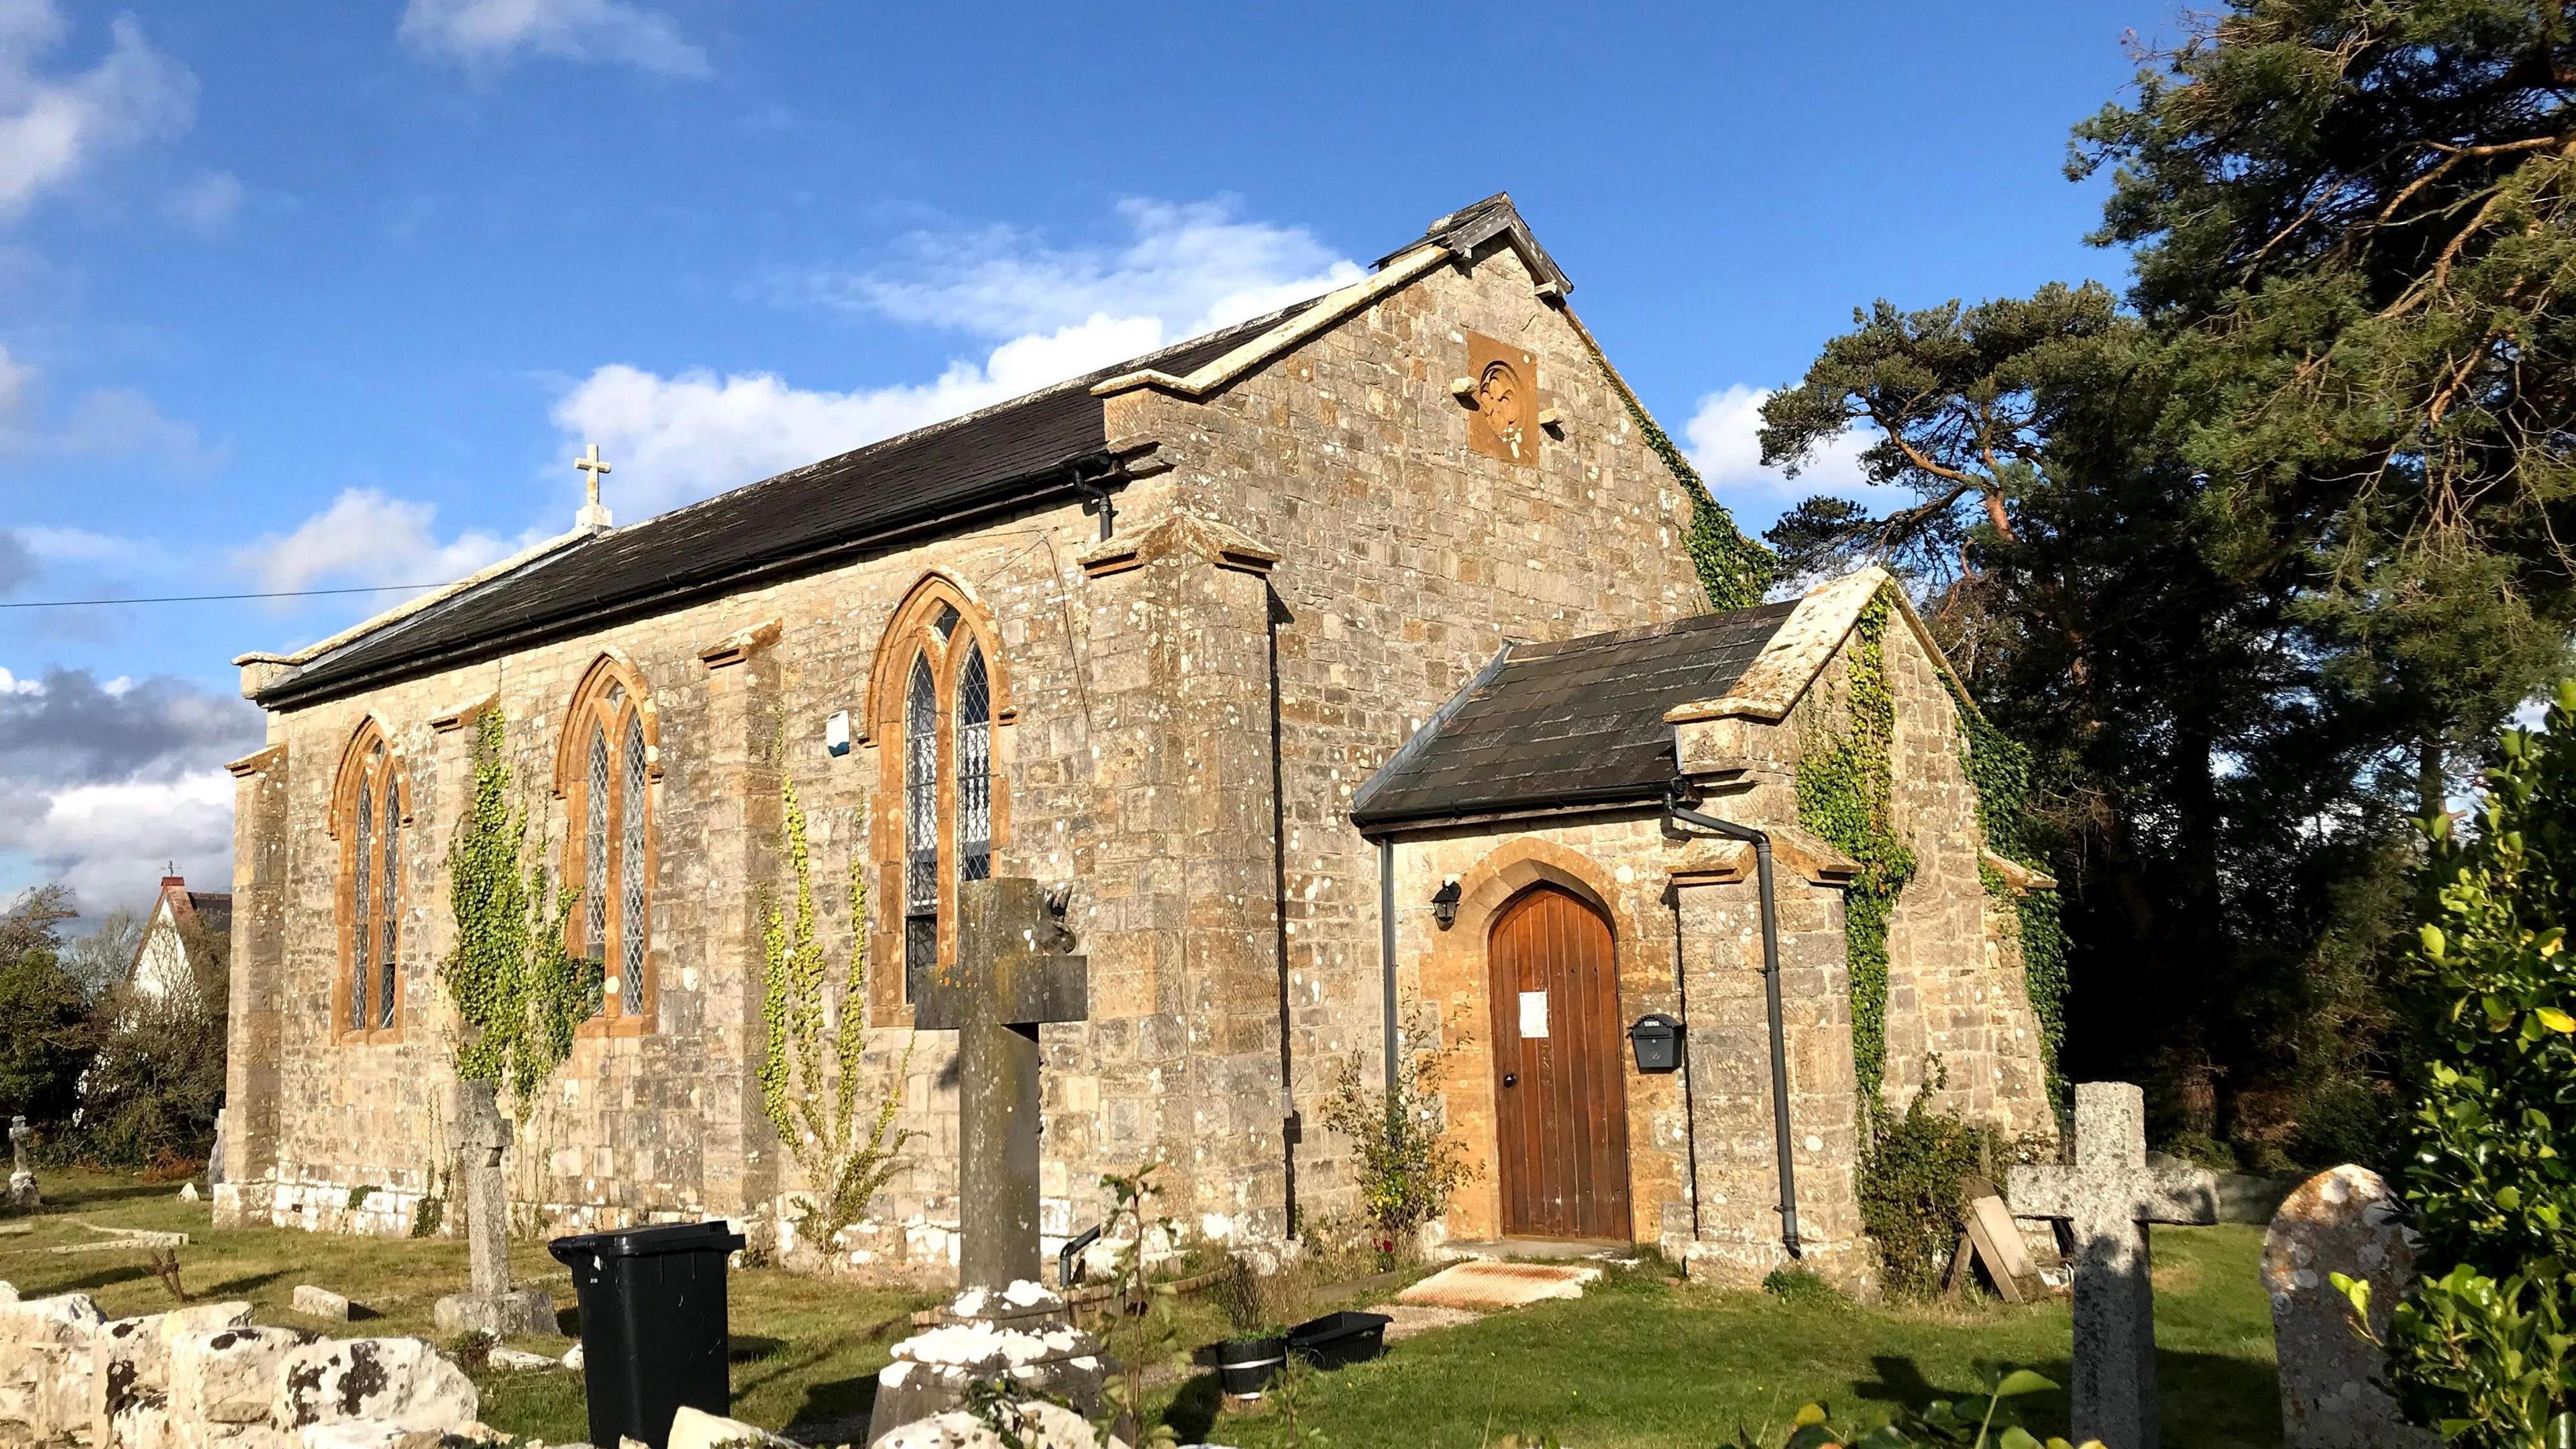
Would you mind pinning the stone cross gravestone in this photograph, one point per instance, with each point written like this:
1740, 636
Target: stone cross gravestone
2334, 1382
1015, 968
2108, 1196
22, 1178
491, 1305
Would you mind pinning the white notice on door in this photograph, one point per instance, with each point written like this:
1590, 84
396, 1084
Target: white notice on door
1533, 1013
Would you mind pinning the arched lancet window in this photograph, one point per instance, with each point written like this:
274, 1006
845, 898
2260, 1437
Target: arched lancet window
920, 827
935, 699
605, 773
367, 815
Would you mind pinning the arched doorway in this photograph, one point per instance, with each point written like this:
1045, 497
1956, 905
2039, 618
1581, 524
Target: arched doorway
1560, 1090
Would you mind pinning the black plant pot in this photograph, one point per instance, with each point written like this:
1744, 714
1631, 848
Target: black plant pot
1245, 1366
1339, 1338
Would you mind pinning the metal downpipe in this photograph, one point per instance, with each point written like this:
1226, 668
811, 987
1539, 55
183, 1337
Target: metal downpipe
1761, 843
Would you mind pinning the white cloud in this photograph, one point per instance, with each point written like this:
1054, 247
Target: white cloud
1725, 446
109, 842
496, 32
1186, 269
111, 422
682, 438
102, 782
1193, 266
205, 203
51, 127
365, 537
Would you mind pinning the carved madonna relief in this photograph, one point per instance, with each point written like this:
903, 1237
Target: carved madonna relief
1503, 403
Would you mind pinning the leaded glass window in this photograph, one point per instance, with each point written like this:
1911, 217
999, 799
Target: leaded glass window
974, 769
920, 826
630, 896
594, 855
368, 996
390, 914
607, 775
362, 930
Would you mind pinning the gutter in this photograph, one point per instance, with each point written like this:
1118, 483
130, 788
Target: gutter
1674, 810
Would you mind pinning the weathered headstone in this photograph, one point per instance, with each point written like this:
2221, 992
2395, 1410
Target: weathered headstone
22, 1178
490, 1305
2108, 1196
2334, 1382
1015, 969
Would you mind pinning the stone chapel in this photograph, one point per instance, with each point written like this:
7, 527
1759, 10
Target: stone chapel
1348, 666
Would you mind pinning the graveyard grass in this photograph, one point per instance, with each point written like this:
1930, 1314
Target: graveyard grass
1636, 1362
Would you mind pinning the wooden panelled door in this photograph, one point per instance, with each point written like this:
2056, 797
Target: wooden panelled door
1560, 1088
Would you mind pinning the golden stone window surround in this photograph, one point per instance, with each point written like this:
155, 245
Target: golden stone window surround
608, 773
937, 634
370, 811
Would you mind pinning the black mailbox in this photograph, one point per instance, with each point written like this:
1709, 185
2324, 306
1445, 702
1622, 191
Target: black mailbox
1658, 1040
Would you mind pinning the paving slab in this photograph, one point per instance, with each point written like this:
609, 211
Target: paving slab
1477, 1284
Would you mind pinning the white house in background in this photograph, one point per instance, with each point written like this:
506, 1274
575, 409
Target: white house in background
161, 956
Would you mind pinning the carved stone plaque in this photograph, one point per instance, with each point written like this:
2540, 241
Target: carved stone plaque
1503, 404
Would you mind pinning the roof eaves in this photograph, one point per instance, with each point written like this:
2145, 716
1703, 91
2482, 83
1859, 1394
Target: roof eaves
262, 672
1328, 312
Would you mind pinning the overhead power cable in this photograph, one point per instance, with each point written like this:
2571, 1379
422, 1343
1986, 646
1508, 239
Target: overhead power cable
211, 598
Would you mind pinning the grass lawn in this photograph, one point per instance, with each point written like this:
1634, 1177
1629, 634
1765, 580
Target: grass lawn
1634, 1363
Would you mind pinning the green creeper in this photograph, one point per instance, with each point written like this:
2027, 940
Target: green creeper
518, 991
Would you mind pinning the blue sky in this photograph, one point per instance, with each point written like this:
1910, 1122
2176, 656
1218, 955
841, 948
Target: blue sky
326, 295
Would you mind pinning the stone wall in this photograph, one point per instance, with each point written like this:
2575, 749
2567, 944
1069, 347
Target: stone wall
203, 1377
1957, 1008
1407, 559
1686, 929
1166, 723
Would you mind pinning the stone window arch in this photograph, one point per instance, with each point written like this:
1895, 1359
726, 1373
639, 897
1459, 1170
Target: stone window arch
370, 808
937, 699
606, 767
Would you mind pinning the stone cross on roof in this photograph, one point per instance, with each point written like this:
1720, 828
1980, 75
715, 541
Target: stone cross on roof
2108, 1196
594, 514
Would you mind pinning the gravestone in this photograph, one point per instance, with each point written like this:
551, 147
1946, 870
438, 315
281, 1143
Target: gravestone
490, 1304
22, 1178
1015, 968
2108, 1196
2334, 1382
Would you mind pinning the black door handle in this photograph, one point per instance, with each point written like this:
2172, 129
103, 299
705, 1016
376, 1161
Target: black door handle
1510, 1080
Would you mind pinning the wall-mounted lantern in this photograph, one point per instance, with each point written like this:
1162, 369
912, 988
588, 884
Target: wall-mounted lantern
1444, 905
1657, 1039
836, 732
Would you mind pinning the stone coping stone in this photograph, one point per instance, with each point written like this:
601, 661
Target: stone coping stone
1479, 1284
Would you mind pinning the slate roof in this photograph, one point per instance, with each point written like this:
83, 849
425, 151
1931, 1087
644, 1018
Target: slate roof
214, 910
1024, 451
1572, 723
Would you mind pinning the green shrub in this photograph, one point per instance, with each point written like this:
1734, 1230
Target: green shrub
2348, 1121
1911, 1167
1979, 1421
44, 1043
1408, 1165
2202, 1150
2480, 1347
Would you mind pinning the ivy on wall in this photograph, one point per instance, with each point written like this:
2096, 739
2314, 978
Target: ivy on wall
1734, 570
1844, 785
518, 992
809, 1066
1999, 768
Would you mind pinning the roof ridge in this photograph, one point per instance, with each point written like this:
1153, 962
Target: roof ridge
1612, 638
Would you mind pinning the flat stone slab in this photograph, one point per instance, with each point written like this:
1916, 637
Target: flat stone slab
1408, 1320
322, 1303
1482, 1285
